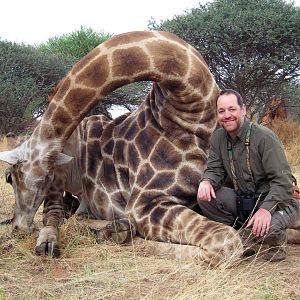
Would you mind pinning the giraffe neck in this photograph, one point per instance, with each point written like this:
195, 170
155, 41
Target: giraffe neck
161, 57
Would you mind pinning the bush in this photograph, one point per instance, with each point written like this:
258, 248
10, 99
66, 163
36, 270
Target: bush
26, 77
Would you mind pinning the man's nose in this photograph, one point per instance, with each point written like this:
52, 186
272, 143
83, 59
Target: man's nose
227, 114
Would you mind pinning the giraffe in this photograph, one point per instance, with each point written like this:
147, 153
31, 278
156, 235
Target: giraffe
144, 166
275, 111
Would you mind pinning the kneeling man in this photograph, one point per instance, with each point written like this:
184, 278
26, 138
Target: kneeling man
253, 158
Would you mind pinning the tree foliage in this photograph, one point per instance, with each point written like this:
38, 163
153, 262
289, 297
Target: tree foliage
26, 77
75, 44
252, 46
128, 97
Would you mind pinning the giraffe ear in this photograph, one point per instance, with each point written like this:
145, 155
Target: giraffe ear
11, 156
62, 159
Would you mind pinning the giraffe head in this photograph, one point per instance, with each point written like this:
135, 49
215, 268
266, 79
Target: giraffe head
30, 178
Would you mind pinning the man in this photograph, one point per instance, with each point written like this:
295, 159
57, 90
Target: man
253, 158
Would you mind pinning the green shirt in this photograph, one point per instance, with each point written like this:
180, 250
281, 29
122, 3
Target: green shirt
270, 170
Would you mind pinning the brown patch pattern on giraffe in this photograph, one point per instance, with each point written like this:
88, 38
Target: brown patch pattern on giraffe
96, 74
135, 62
145, 165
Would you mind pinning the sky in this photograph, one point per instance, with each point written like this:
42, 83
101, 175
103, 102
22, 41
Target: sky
35, 21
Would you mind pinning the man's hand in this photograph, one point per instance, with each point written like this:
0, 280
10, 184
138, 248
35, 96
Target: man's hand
205, 191
260, 222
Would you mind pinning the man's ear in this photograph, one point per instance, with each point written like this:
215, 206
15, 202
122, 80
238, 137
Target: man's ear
244, 110
10, 156
63, 159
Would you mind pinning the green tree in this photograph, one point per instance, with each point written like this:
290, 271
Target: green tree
250, 45
75, 44
26, 77
291, 98
128, 97
79, 43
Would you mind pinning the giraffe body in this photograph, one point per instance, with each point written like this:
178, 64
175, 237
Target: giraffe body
276, 111
145, 165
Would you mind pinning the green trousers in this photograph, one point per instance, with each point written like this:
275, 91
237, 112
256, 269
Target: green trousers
223, 210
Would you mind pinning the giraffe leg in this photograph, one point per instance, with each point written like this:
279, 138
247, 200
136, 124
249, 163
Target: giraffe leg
48, 238
171, 250
171, 222
120, 231
293, 234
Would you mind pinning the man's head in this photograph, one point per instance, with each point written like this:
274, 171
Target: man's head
231, 111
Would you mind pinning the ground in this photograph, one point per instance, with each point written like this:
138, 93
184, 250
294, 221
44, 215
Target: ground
87, 270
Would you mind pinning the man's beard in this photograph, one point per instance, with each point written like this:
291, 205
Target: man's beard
238, 122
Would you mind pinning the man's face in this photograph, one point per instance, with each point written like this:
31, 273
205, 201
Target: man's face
230, 115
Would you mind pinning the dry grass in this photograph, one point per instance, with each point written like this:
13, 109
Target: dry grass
289, 134
87, 270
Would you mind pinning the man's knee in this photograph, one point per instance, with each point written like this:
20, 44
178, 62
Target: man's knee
222, 209
286, 218
227, 198
277, 236
281, 220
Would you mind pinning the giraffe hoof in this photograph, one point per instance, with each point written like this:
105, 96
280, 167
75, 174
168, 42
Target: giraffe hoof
47, 242
48, 249
119, 231
6, 222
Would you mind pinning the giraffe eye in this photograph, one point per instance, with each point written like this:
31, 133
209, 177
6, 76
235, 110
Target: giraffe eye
8, 177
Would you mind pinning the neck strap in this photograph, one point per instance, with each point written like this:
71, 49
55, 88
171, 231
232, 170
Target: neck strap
230, 155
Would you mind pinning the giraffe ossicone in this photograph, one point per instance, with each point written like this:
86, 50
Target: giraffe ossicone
144, 166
